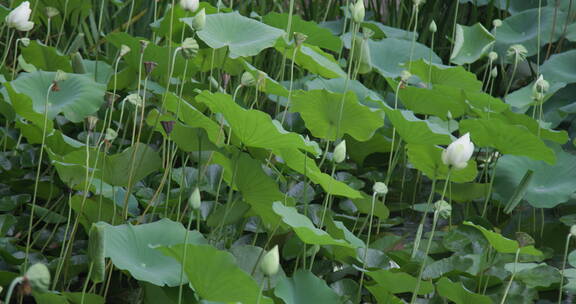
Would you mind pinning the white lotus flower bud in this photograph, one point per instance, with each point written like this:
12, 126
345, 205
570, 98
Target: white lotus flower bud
432, 27
494, 72
573, 231
458, 152
19, 17
199, 20
190, 5
380, 188
195, 200
358, 11
248, 79
124, 49
339, 154
271, 262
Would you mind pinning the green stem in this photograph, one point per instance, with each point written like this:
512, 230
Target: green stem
511, 277
563, 267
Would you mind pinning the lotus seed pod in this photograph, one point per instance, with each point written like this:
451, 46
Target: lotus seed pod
433, 28
247, 80
38, 276
51, 12
96, 252
358, 11
25, 41
110, 134
380, 188
199, 20
541, 85
91, 121
134, 99
524, 239
405, 75
339, 154
497, 23
573, 231
517, 51
189, 48
444, 209
60, 76
195, 201
168, 126
190, 5
493, 56
124, 49
149, 66
300, 38
270, 263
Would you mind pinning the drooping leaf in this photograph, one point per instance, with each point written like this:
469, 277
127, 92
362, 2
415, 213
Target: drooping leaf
502, 244
320, 110
214, 274
389, 54
46, 58
399, 282
471, 43
131, 248
304, 228
414, 130
305, 288
458, 294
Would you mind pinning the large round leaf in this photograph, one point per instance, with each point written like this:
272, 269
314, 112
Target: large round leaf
243, 36
560, 67
76, 97
472, 42
130, 248
389, 54
549, 186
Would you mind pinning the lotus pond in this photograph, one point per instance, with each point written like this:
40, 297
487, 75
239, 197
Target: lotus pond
287, 151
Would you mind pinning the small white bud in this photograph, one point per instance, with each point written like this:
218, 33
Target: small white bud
339, 154
358, 11
380, 188
270, 263
195, 200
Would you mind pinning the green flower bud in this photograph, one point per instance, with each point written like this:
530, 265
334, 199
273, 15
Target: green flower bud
433, 28
300, 38
541, 85
380, 188
38, 276
199, 20
195, 201
339, 154
270, 263
248, 79
358, 11
494, 72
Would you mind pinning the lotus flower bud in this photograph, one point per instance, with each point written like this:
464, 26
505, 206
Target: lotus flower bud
189, 48
573, 231
124, 49
339, 154
248, 79
358, 11
270, 263
380, 188
51, 12
199, 20
494, 72
19, 18
458, 152
449, 115
190, 5
497, 23
433, 28
443, 208
195, 201
38, 276
492, 56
